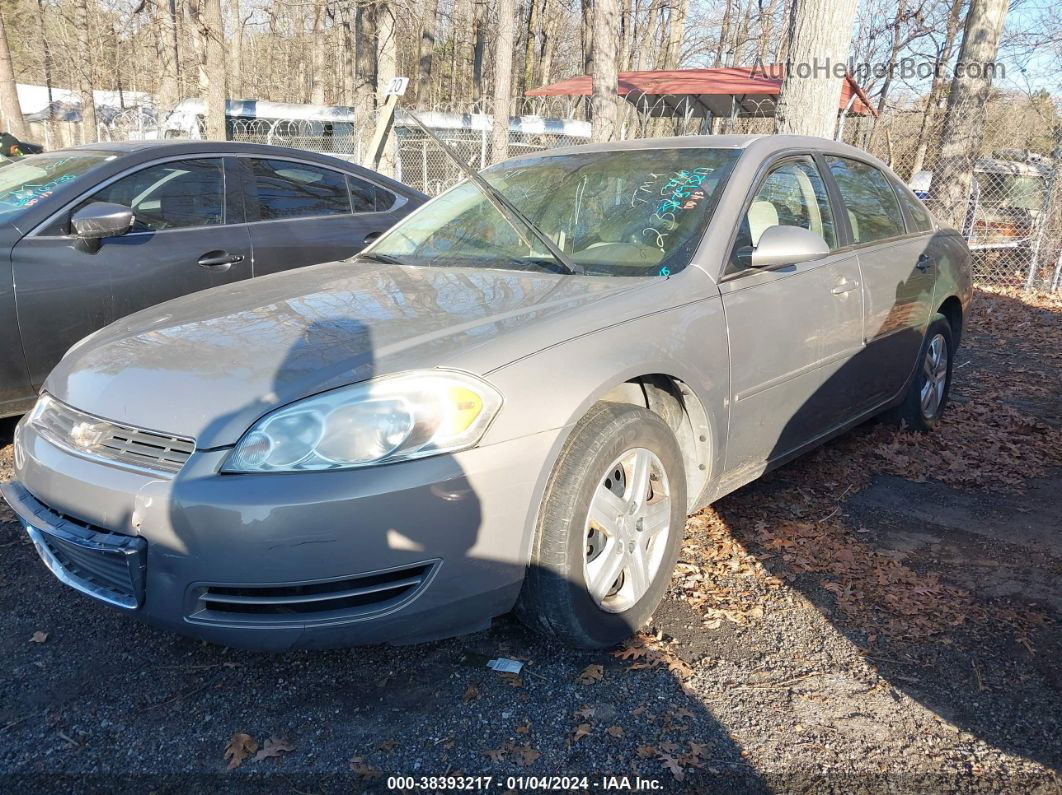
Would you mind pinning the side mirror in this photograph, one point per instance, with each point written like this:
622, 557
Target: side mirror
98, 220
786, 245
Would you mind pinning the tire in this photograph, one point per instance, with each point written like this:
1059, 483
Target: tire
913, 412
608, 450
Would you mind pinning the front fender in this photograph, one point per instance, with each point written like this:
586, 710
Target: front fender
552, 389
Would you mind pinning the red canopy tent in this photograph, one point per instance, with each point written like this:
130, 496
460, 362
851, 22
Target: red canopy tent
736, 91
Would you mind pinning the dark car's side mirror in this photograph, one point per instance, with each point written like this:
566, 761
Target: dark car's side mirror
98, 220
785, 245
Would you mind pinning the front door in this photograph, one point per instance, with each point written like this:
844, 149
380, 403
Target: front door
795, 331
180, 243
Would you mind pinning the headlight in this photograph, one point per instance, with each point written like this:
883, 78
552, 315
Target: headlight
394, 418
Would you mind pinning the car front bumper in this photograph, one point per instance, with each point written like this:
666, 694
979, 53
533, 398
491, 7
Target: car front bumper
400, 553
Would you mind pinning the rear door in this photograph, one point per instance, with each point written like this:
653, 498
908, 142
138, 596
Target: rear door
303, 213
793, 330
186, 237
898, 274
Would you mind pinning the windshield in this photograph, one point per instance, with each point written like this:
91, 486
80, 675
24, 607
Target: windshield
26, 181
617, 213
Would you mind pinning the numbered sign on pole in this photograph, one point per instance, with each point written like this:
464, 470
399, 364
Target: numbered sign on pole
397, 86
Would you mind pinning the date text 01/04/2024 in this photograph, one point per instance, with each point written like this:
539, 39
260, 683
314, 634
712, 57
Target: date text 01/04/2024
525, 783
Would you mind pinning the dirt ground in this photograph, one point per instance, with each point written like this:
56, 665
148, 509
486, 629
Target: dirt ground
881, 615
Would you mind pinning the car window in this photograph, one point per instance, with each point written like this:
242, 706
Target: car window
792, 194
363, 195
173, 195
871, 203
286, 189
918, 217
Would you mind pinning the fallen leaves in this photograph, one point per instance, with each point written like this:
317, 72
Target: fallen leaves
273, 747
242, 745
581, 731
591, 674
38, 637
239, 747
523, 755
362, 769
471, 693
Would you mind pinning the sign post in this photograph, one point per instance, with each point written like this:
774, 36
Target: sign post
384, 121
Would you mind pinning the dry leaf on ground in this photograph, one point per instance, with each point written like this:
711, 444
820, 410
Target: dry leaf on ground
239, 747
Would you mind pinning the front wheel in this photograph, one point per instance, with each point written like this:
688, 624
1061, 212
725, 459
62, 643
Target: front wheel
928, 394
609, 530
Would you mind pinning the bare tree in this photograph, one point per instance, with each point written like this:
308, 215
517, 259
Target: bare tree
606, 48
964, 123
675, 30
8, 93
85, 82
213, 31
503, 69
165, 13
936, 90
236, 51
365, 60
530, 35
318, 45
426, 52
811, 91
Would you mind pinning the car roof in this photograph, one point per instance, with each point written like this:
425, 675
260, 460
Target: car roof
762, 145
144, 149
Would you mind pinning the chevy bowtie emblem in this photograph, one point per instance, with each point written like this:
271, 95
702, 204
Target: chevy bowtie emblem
86, 435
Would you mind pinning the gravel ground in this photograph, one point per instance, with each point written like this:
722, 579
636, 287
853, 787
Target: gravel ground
880, 615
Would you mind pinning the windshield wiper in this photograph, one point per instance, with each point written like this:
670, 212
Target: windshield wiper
509, 211
374, 257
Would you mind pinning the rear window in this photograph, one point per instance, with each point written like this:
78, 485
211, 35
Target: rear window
918, 218
873, 209
288, 189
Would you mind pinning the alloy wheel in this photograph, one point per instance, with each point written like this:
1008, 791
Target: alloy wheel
934, 376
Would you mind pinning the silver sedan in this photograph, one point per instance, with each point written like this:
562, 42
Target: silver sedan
512, 400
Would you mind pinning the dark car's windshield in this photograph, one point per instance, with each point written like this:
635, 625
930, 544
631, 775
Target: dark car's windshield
29, 180
618, 213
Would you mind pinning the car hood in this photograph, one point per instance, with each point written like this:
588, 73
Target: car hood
208, 364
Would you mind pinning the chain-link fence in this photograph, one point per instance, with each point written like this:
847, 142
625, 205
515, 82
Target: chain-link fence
1013, 220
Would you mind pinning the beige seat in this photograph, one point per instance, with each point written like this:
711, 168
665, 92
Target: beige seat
762, 214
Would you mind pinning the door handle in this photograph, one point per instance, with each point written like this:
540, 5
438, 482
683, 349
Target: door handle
844, 287
219, 260
924, 261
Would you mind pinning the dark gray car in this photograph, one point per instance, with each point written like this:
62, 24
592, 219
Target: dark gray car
94, 233
475, 415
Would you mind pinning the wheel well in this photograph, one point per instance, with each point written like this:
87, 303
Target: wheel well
952, 310
677, 405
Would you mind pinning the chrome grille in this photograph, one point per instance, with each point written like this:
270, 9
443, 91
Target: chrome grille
94, 437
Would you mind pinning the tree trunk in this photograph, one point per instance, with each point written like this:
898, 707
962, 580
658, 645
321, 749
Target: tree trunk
364, 63
479, 47
89, 133
503, 68
811, 91
603, 110
586, 35
318, 55
214, 34
550, 31
960, 140
169, 60
530, 36
675, 33
236, 52
724, 34
426, 54
936, 91
9, 106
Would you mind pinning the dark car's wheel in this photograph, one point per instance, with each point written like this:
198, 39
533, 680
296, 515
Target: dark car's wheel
609, 530
928, 394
